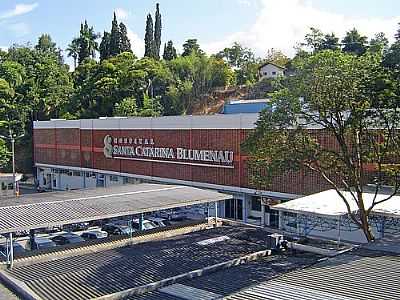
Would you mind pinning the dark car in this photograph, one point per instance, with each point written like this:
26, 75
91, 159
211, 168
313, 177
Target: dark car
113, 229
17, 248
67, 238
77, 226
94, 235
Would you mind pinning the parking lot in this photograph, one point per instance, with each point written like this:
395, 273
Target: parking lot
47, 238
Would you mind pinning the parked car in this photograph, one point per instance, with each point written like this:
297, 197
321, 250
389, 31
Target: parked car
147, 224
159, 222
77, 226
67, 238
17, 248
113, 229
41, 243
94, 235
177, 214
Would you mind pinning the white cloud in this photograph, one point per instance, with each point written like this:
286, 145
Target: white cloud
121, 13
19, 29
20, 9
282, 24
244, 2
136, 42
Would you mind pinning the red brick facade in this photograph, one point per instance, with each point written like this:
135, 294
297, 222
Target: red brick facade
84, 148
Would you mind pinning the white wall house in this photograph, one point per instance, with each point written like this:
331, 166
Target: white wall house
270, 70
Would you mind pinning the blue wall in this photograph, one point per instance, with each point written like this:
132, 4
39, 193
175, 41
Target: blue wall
244, 108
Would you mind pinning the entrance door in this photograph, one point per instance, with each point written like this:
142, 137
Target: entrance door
234, 209
239, 209
230, 209
274, 218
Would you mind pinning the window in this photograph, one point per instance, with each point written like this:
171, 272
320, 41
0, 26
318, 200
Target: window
114, 178
76, 173
255, 204
265, 73
273, 73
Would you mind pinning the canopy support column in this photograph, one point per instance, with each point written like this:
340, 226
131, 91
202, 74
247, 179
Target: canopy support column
10, 251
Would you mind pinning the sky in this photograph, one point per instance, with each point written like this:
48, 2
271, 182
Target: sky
257, 24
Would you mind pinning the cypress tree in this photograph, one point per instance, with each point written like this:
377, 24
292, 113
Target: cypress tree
125, 44
83, 43
169, 51
149, 38
105, 46
114, 38
157, 32
397, 35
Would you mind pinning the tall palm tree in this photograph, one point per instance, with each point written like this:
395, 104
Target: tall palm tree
73, 50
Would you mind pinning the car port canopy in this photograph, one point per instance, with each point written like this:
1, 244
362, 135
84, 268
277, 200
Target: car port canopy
50, 209
330, 204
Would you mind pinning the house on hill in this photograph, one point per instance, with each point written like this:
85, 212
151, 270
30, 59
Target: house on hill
270, 70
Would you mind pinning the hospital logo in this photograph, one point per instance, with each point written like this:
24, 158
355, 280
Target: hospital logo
108, 148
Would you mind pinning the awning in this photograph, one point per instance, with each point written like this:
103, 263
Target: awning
60, 208
329, 203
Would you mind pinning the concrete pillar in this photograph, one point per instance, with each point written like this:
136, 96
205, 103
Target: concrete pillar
141, 221
32, 239
11, 252
280, 220
262, 214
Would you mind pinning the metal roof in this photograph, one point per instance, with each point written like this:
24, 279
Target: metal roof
59, 208
329, 203
346, 277
96, 274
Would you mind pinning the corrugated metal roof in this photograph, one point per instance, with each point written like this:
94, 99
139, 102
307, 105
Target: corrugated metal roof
329, 203
96, 274
347, 277
52, 209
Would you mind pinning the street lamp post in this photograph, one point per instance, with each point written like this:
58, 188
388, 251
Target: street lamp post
12, 138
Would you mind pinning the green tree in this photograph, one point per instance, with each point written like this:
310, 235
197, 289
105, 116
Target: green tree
73, 50
47, 46
329, 42
276, 56
157, 32
149, 45
105, 46
125, 43
379, 43
126, 108
314, 39
169, 51
237, 55
191, 46
87, 42
348, 97
397, 35
354, 42
115, 38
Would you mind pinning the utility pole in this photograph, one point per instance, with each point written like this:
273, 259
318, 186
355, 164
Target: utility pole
12, 138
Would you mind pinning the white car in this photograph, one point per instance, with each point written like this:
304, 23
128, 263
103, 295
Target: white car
147, 225
159, 222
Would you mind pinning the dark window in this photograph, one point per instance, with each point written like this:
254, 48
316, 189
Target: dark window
255, 204
273, 73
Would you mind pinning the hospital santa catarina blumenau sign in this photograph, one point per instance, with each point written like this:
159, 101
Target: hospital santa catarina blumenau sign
145, 149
